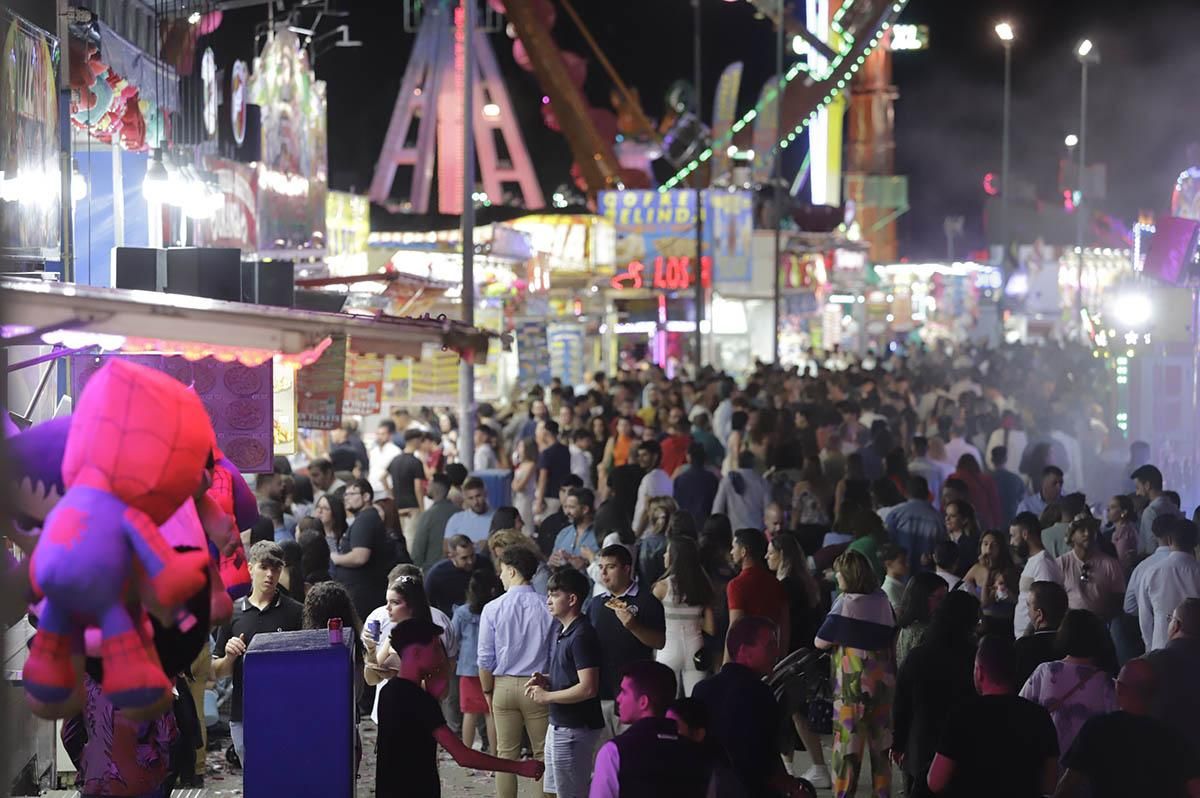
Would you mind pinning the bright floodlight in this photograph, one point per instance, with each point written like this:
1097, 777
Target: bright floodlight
1071, 140
1085, 47
1005, 32
491, 110
1133, 310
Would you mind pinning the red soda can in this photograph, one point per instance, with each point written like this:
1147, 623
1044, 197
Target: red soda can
335, 631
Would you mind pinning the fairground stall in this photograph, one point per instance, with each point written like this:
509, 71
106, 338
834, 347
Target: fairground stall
930, 302
430, 264
262, 373
574, 256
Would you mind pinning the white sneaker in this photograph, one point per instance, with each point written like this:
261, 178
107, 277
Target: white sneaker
818, 776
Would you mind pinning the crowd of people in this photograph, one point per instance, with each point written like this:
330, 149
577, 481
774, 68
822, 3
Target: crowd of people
1007, 592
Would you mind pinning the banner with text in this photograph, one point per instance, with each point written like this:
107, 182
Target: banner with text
656, 228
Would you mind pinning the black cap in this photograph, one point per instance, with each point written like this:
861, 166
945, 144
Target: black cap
414, 631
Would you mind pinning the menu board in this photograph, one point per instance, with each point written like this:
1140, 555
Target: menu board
238, 398
320, 389
435, 376
566, 352
533, 356
364, 385
284, 410
397, 381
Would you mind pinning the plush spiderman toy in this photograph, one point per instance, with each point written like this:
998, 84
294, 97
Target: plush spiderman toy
231, 494
138, 447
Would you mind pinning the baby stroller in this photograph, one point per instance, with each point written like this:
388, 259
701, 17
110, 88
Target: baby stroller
803, 678
803, 686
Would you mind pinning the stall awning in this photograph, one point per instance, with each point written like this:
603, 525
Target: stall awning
78, 315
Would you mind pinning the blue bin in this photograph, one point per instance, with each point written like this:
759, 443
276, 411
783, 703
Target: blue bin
299, 716
498, 482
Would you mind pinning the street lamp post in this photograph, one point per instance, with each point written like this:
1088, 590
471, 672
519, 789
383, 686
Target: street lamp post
1086, 54
778, 193
1005, 31
466, 369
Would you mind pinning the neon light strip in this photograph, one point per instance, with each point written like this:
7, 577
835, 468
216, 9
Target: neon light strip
843, 51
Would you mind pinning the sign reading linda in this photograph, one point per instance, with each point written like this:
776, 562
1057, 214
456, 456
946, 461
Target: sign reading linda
654, 225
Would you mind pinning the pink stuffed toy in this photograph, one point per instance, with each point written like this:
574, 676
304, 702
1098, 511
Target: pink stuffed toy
138, 447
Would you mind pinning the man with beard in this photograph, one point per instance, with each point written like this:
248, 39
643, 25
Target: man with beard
1026, 533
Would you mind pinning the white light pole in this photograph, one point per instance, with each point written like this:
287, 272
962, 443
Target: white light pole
1086, 54
1005, 31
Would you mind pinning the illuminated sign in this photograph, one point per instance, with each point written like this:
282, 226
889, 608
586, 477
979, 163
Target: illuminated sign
652, 224
668, 274
909, 37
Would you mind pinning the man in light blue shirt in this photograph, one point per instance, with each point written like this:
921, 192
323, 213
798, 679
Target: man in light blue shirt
576, 544
922, 466
516, 632
916, 526
474, 520
1128, 634
1148, 482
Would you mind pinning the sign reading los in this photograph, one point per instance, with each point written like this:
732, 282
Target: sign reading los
664, 274
656, 236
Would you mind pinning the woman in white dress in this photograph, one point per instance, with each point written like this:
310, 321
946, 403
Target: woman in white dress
525, 481
687, 598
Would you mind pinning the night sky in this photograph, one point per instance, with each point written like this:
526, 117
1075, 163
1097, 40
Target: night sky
1143, 107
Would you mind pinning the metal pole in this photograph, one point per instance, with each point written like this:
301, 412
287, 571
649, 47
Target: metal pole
1080, 213
1004, 147
65, 134
776, 289
466, 374
697, 76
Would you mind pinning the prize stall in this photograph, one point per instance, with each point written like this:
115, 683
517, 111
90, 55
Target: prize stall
258, 374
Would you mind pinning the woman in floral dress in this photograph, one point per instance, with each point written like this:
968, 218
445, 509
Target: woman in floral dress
859, 630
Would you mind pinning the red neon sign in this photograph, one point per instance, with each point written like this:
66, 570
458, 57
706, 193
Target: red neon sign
668, 274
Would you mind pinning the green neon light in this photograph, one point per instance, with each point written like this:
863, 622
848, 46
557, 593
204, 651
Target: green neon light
846, 46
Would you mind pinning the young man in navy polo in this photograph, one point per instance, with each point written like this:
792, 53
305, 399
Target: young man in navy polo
631, 625
572, 688
264, 610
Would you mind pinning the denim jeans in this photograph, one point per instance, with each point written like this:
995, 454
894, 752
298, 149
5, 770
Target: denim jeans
239, 740
569, 760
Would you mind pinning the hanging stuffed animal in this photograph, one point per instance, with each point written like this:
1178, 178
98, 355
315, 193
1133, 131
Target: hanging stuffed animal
138, 447
232, 496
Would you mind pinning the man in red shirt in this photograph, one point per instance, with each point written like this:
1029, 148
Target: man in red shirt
756, 591
675, 447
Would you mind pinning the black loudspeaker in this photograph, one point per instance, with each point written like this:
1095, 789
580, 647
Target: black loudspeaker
269, 283
210, 273
140, 268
